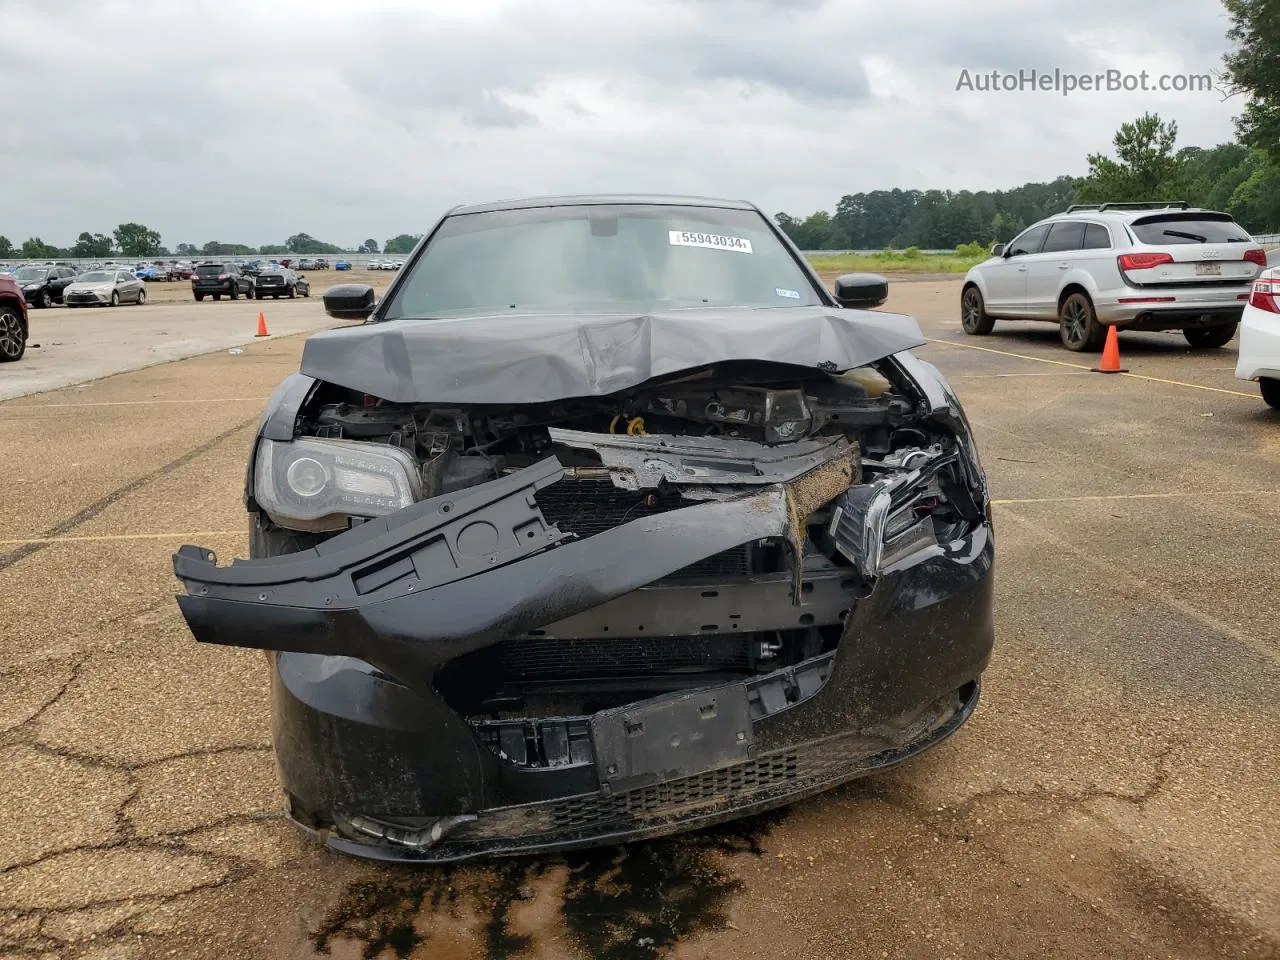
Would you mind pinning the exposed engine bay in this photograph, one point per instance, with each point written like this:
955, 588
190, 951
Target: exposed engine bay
844, 447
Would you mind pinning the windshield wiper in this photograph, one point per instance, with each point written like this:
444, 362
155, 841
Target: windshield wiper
1186, 236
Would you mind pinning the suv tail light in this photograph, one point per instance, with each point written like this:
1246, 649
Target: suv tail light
1266, 295
1258, 256
1142, 261
223, 276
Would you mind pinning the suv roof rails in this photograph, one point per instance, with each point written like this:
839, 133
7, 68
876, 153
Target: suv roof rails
1142, 205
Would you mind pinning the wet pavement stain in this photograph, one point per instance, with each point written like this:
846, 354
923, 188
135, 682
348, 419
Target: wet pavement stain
619, 903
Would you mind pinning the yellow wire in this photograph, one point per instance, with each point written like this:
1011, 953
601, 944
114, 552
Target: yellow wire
636, 427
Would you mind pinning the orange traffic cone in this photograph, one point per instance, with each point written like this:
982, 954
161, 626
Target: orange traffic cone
1111, 354
262, 326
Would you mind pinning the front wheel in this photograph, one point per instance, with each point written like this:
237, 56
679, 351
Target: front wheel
142, 297
199, 297
115, 298
250, 294
217, 296
44, 300
1078, 325
13, 340
1270, 391
973, 313
306, 291
1206, 337
235, 292
291, 293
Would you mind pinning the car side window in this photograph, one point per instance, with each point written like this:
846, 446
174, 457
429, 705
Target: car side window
122, 277
1097, 237
1029, 241
1064, 235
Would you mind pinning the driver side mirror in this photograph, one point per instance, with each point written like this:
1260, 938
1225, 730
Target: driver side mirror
861, 290
999, 249
349, 301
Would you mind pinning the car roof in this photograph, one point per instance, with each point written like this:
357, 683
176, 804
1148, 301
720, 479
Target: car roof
585, 200
1129, 215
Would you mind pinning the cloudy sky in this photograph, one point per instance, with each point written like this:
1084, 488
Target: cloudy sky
249, 120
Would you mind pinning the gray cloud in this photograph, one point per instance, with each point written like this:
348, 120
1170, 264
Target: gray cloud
350, 120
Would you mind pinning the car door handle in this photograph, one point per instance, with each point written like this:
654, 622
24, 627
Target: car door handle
1064, 266
1022, 269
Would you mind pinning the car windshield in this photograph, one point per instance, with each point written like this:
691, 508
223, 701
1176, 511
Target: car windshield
1176, 228
613, 258
28, 274
96, 276
210, 269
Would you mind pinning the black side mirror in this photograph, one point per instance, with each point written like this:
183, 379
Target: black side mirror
999, 249
861, 290
349, 301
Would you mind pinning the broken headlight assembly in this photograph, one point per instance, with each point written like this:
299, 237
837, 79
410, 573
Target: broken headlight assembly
313, 484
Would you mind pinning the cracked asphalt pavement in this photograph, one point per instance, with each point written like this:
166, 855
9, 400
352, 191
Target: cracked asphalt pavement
1114, 795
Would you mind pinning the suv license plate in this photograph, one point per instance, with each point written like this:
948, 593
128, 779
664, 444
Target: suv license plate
1208, 269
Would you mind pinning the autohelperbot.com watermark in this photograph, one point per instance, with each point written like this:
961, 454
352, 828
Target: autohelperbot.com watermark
1065, 83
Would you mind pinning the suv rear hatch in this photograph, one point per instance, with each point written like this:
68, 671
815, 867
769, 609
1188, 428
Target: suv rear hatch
1192, 247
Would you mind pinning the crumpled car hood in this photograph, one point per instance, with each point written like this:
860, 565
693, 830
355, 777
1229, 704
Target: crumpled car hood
540, 357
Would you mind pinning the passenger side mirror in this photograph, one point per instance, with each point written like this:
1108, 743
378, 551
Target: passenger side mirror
861, 290
999, 249
349, 301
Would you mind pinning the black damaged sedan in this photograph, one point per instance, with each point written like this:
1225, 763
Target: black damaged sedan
607, 522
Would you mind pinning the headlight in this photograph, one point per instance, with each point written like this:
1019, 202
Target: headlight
310, 484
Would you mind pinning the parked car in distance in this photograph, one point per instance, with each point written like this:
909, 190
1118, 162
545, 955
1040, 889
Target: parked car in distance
278, 282
182, 270
1259, 357
342, 265
306, 263
106, 288
220, 278
321, 264
13, 320
1134, 266
42, 286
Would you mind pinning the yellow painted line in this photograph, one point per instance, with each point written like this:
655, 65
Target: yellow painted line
1143, 496
106, 537
131, 403
1077, 366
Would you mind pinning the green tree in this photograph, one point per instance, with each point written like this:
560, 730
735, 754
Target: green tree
369, 246
6, 249
187, 250
36, 249
1147, 166
815, 232
305, 243
136, 240
1253, 68
401, 244
92, 245
274, 249
215, 249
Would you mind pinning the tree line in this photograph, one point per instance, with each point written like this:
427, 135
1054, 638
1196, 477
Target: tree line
1241, 178
137, 240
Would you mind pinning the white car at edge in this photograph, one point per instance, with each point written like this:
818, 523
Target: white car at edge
1260, 337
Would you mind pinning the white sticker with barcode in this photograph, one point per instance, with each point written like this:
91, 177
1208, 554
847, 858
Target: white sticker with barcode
712, 241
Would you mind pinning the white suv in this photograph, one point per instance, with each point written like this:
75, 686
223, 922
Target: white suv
1135, 266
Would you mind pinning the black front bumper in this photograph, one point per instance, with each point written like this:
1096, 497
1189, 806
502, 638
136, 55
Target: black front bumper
373, 758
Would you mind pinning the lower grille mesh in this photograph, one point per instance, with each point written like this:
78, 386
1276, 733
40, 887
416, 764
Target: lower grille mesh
531, 658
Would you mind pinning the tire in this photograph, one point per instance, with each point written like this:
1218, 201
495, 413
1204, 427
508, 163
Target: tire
292, 293
1204, 338
1078, 325
307, 291
217, 296
142, 297
13, 339
45, 300
973, 313
235, 292
251, 294
1270, 391
199, 297
115, 298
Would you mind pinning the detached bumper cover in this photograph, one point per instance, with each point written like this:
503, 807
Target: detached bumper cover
372, 756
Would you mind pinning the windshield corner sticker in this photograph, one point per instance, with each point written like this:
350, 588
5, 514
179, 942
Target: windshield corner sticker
789, 294
712, 241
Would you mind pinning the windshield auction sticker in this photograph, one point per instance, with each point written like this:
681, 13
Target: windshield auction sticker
712, 241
